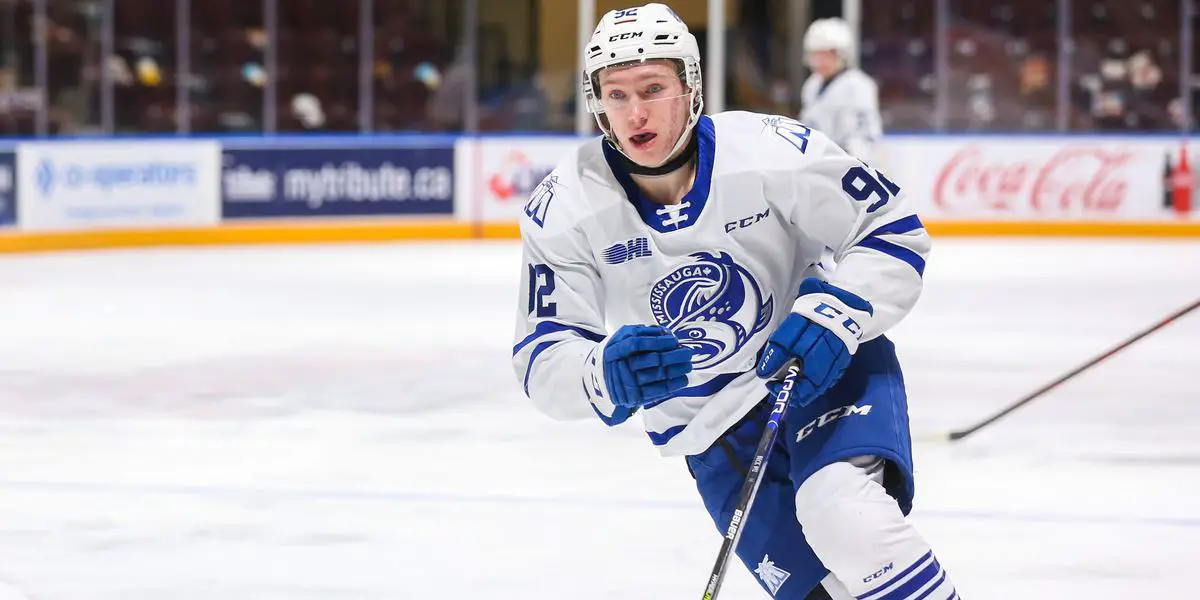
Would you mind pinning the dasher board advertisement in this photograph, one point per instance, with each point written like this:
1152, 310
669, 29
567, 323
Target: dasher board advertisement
117, 184
1037, 178
497, 175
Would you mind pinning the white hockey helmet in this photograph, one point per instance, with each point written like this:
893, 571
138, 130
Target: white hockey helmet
641, 34
830, 34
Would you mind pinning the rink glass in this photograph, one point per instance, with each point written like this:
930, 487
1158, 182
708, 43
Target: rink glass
266, 66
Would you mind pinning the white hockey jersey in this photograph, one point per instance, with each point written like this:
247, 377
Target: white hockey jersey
845, 108
721, 270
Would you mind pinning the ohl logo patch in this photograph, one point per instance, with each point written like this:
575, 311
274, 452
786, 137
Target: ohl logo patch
713, 305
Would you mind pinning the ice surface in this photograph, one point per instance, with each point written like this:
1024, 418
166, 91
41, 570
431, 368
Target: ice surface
342, 422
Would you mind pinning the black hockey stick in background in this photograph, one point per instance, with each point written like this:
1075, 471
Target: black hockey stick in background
954, 436
754, 477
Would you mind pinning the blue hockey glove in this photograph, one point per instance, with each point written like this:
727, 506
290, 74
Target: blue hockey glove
822, 332
640, 364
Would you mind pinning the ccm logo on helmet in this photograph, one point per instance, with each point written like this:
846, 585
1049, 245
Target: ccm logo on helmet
625, 36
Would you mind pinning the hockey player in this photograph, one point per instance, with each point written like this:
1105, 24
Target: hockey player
671, 268
839, 99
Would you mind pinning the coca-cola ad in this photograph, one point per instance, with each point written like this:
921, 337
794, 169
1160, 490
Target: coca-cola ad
1032, 178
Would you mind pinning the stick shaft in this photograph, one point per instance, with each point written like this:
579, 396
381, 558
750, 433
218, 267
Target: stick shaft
958, 435
754, 477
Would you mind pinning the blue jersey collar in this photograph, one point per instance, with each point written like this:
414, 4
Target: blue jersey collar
652, 214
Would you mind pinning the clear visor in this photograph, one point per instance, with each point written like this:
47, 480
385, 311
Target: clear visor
628, 101
823, 55
630, 93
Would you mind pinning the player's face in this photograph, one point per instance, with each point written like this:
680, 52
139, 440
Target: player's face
647, 109
824, 62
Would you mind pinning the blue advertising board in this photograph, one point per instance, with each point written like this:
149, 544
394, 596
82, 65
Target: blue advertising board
8, 189
295, 182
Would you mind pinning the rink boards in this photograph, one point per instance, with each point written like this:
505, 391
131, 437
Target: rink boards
92, 193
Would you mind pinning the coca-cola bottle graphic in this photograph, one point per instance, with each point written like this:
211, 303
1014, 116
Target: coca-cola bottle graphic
1182, 184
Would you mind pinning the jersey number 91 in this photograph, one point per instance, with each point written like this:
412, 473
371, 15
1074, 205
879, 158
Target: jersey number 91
863, 186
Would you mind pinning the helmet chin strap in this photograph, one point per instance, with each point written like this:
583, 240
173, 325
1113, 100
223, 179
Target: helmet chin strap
672, 165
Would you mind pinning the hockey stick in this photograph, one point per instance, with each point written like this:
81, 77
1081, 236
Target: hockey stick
754, 477
954, 436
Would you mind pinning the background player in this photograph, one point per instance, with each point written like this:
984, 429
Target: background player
838, 98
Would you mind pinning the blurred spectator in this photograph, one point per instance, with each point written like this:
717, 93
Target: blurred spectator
1125, 94
445, 104
1003, 63
1037, 93
1003, 56
307, 109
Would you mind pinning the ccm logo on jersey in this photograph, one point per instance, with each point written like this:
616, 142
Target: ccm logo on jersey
831, 416
877, 574
748, 221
